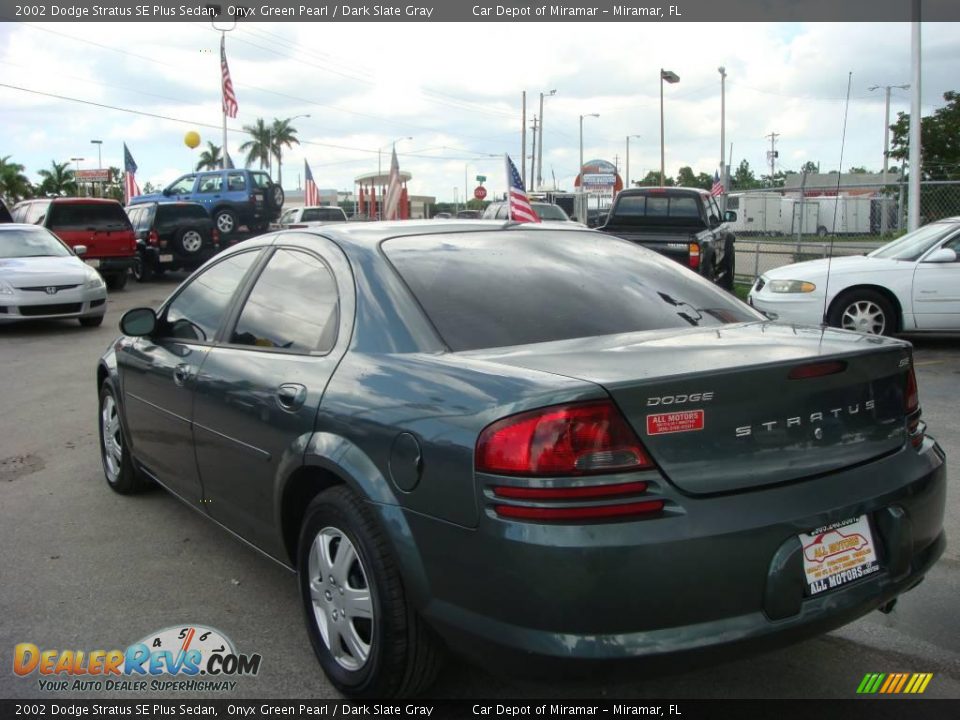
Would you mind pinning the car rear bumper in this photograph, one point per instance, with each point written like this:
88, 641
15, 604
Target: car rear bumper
168, 259
723, 576
111, 265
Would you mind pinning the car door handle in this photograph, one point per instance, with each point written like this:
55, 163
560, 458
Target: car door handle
181, 373
291, 396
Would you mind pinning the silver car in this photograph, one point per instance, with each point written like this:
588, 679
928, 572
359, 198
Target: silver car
41, 277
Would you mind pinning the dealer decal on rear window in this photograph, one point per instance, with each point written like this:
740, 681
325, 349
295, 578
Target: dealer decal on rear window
674, 422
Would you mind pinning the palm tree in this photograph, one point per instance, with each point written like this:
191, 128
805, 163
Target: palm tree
210, 158
282, 134
13, 183
257, 149
58, 180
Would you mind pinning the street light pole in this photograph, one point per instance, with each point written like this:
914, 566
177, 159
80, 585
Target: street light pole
886, 152
77, 160
723, 127
671, 77
99, 143
540, 144
628, 158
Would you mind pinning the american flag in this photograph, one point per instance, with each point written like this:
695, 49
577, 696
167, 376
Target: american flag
311, 196
717, 188
520, 208
391, 201
229, 99
130, 187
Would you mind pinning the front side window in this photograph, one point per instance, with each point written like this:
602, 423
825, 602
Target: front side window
293, 306
183, 186
197, 311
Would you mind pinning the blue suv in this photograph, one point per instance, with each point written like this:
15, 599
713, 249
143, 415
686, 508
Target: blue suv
231, 197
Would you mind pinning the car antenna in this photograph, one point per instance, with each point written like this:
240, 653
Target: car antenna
836, 206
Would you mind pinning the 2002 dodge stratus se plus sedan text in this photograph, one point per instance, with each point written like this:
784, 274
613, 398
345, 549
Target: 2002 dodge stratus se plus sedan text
521, 442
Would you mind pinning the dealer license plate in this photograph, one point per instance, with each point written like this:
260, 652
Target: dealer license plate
93, 263
166, 258
838, 554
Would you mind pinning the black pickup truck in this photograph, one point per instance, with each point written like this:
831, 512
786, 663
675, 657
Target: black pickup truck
682, 223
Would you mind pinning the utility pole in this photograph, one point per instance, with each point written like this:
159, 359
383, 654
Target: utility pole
533, 154
523, 141
913, 200
772, 154
723, 116
539, 177
886, 152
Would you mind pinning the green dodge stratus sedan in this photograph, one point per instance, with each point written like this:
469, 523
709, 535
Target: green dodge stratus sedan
524, 443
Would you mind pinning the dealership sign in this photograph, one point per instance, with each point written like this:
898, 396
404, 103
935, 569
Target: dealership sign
92, 175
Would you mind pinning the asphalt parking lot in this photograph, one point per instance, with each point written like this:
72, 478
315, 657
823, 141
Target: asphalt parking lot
85, 568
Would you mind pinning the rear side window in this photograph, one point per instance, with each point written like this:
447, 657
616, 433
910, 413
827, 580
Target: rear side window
293, 306
210, 183
260, 179
496, 289
85, 215
171, 213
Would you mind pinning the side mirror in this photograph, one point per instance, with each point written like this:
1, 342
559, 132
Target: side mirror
139, 322
79, 250
167, 192
943, 255
730, 216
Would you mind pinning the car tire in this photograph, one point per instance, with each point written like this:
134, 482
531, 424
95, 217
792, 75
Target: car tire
116, 281
226, 222
368, 639
142, 271
94, 321
822, 231
274, 196
188, 242
728, 267
863, 311
118, 468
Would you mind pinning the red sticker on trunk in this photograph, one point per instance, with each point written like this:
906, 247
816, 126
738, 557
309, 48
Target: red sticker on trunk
674, 422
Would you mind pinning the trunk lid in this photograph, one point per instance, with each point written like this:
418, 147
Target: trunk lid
719, 411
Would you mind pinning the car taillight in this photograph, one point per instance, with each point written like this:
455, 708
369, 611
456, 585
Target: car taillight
215, 236
695, 256
294, 227
153, 238
916, 429
563, 440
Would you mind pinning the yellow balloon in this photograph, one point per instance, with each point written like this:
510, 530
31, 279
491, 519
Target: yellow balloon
191, 139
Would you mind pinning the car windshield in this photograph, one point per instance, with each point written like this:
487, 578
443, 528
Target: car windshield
100, 216
547, 211
913, 245
496, 289
31, 242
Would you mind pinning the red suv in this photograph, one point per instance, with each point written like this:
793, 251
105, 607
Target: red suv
100, 225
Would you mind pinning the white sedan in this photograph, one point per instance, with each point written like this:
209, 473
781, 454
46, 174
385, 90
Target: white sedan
909, 285
41, 277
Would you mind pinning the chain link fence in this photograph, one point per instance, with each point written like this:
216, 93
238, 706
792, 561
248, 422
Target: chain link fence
780, 226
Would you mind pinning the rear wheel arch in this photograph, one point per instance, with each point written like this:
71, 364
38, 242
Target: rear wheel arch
301, 488
889, 296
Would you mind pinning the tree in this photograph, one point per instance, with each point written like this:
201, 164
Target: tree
938, 138
685, 177
652, 179
704, 181
809, 167
58, 180
282, 135
857, 170
150, 188
210, 158
13, 183
258, 147
743, 178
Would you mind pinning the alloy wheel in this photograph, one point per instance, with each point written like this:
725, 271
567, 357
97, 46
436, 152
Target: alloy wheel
112, 439
340, 593
864, 316
192, 241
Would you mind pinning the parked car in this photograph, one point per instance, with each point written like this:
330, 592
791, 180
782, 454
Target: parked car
42, 278
442, 216
5, 216
909, 285
309, 216
546, 211
231, 197
597, 216
171, 236
683, 224
468, 214
423, 421
99, 225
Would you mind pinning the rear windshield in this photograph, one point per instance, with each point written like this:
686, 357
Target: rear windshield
496, 289
666, 207
101, 216
176, 212
322, 214
546, 211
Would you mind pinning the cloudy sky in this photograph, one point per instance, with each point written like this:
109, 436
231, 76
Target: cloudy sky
456, 88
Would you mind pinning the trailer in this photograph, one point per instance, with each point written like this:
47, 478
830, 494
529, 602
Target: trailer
844, 215
758, 213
